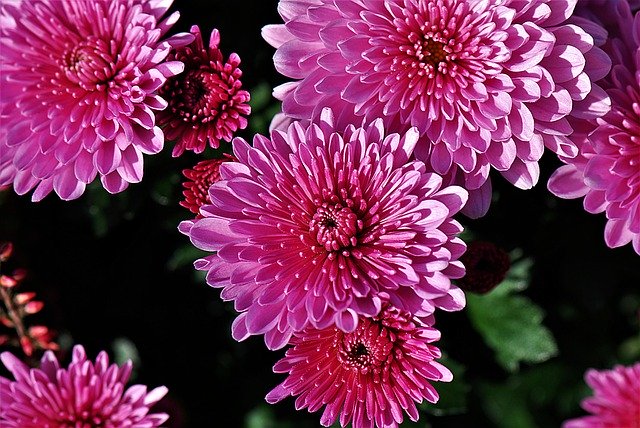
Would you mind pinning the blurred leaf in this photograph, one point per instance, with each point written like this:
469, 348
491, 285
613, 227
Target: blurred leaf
260, 417
263, 108
263, 416
260, 96
125, 350
184, 255
98, 202
510, 324
629, 350
164, 190
453, 395
520, 399
107, 211
506, 407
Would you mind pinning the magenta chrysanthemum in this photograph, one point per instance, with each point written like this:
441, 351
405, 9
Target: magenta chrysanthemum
86, 394
313, 226
607, 170
78, 92
206, 102
370, 376
488, 84
615, 402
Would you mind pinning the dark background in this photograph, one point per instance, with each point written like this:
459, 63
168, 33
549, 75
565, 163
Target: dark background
113, 267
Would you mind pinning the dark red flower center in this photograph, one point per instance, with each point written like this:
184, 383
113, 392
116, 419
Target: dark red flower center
427, 49
358, 355
198, 96
334, 226
368, 347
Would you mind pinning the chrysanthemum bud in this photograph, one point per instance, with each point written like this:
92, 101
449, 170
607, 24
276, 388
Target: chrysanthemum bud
23, 298
27, 346
6, 248
7, 281
33, 307
486, 267
202, 176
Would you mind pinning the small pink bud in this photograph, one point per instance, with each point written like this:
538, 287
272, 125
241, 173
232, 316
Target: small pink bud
4, 339
33, 307
38, 331
43, 337
27, 347
51, 346
22, 298
6, 248
7, 281
6, 321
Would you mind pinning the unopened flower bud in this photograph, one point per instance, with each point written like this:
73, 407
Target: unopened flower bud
26, 345
7, 281
486, 266
23, 298
33, 307
6, 248
6, 321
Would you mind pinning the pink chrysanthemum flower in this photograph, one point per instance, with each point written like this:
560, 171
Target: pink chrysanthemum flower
86, 394
206, 102
370, 376
201, 177
314, 225
615, 402
79, 81
489, 84
607, 170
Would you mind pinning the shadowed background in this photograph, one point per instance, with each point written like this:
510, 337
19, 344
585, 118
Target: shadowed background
115, 274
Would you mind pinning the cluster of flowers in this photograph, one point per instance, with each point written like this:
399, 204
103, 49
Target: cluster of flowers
16, 306
334, 235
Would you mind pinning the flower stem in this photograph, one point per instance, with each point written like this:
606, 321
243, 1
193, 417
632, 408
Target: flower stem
16, 319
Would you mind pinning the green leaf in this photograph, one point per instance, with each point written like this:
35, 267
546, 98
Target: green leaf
527, 399
184, 255
507, 408
125, 350
512, 324
260, 96
264, 416
629, 350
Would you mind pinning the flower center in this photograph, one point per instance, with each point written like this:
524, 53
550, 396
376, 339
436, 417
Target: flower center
198, 96
369, 347
427, 54
89, 64
429, 50
358, 355
335, 226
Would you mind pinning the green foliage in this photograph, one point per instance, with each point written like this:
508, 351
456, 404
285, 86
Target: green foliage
125, 350
514, 402
263, 416
263, 108
184, 255
511, 324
